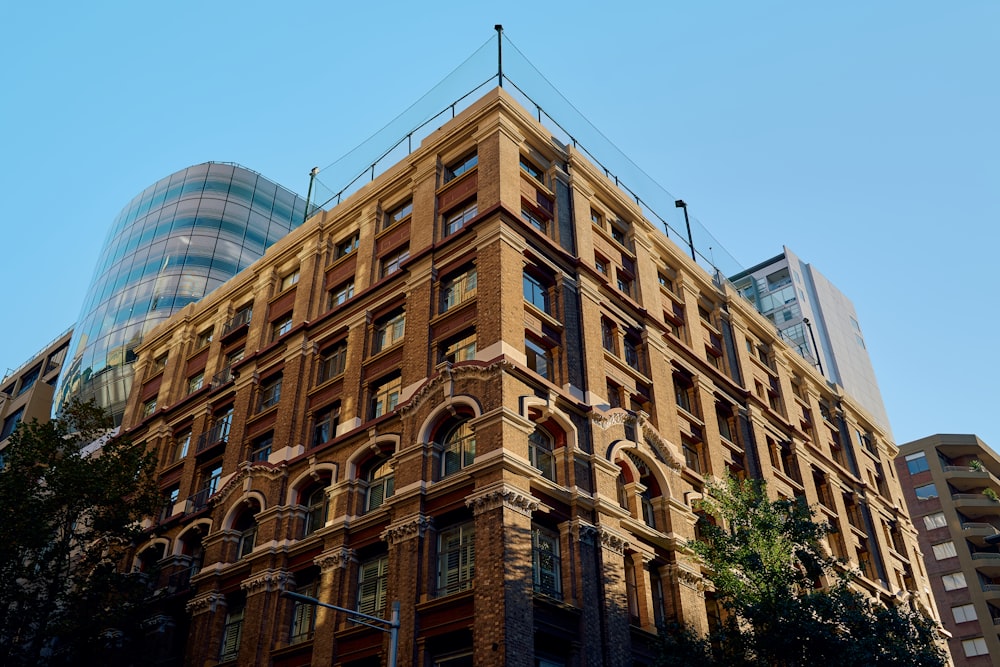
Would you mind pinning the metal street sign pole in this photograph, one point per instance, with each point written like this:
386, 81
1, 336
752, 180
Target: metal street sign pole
392, 625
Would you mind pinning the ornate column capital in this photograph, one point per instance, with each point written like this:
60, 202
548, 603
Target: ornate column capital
501, 495
267, 581
582, 531
685, 577
407, 528
338, 557
206, 602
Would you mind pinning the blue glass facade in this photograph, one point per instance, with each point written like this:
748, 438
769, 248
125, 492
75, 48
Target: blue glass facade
177, 241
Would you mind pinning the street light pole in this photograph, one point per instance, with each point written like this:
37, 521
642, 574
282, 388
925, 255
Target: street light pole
392, 625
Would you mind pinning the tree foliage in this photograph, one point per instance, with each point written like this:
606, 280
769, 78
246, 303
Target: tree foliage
768, 568
71, 512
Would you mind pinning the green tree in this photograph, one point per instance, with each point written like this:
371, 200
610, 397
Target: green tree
768, 567
71, 513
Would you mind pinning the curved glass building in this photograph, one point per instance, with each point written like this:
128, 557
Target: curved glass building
174, 243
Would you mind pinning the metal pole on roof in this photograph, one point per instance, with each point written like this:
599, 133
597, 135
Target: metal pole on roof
499, 29
312, 177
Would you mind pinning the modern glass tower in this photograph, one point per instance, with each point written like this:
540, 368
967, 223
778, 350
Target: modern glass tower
174, 243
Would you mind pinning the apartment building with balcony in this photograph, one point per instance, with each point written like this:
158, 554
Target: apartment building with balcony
26, 391
952, 487
487, 387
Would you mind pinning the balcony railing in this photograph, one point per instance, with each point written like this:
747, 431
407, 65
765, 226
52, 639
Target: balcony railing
198, 501
224, 376
986, 556
217, 434
241, 318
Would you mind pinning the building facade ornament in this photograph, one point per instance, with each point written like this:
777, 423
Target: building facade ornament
268, 581
612, 541
206, 602
407, 529
494, 497
447, 376
685, 577
583, 532
334, 559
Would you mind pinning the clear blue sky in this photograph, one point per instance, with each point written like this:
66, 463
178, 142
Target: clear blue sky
862, 135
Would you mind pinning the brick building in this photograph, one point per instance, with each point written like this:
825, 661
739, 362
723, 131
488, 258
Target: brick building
951, 483
487, 387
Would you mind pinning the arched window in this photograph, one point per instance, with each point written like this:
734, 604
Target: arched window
315, 504
459, 448
381, 484
540, 452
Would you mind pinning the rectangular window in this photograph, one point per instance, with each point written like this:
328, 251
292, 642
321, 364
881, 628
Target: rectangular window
270, 393
545, 563
625, 283
341, 293
936, 520
944, 550
281, 327
456, 559
373, 580
601, 265
455, 219
535, 220
461, 166
160, 363
459, 348
289, 280
242, 317
538, 358
633, 356
964, 613
12, 420
204, 339
609, 336
535, 292
231, 633
684, 394
303, 615
399, 213
917, 463
954, 581
260, 450
196, 382
182, 443
389, 331
596, 218
347, 246
332, 362
149, 407
325, 428
974, 647
385, 396
619, 230
28, 379
458, 289
926, 491
390, 263
531, 170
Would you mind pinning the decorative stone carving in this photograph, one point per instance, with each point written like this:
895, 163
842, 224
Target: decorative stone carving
650, 436
685, 577
447, 376
268, 581
206, 602
612, 541
502, 496
159, 623
406, 529
338, 558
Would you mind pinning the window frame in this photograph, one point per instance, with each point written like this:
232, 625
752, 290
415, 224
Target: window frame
458, 288
535, 352
373, 585
270, 392
389, 331
536, 292
540, 447
546, 566
398, 213
458, 448
390, 263
388, 388
461, 166
456, 559
457, 217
